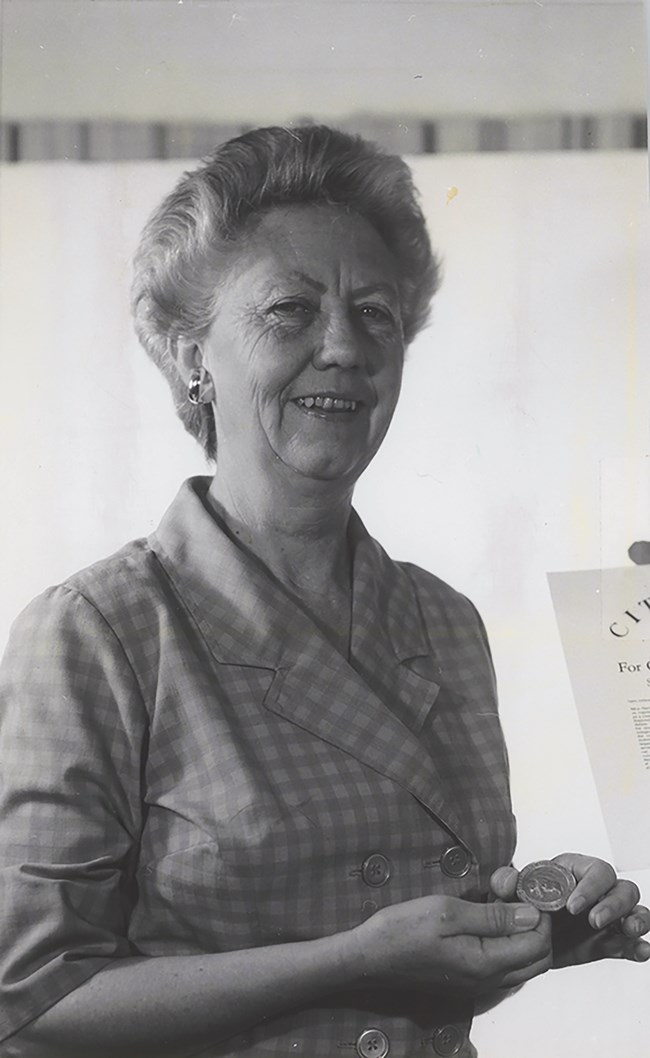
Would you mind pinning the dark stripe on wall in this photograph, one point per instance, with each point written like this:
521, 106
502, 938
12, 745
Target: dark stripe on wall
13, 143
108, 141
429, 142
640, 133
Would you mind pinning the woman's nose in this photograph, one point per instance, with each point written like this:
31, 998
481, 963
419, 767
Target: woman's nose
341, 344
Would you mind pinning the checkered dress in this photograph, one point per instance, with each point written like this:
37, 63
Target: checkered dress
189, 766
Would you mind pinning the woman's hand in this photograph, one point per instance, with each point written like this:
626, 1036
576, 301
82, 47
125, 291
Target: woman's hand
448, 944
602, 920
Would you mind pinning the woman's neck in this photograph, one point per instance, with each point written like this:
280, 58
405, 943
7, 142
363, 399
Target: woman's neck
301, 537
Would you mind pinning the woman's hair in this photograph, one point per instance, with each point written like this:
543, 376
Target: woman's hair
177, 264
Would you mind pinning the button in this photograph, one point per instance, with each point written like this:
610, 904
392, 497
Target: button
455, 862
447, 1040
375, 870
373, 1043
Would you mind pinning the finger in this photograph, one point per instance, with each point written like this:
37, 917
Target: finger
616, 945
464, 918
610, 944
595, 878
492, 958
575, 942
616, 905
640, 951
636, 923
514, 978
519, 958
503, 883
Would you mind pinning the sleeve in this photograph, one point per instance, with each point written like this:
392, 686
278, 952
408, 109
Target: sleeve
72, 727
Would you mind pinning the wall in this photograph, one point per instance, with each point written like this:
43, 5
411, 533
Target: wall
530, 383
270, 60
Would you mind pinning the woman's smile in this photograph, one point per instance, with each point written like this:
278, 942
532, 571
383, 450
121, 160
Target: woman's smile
328, 403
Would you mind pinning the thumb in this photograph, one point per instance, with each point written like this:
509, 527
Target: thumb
489, 920
503, 883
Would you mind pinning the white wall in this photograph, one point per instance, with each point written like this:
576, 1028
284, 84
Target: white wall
274, 60
534, 371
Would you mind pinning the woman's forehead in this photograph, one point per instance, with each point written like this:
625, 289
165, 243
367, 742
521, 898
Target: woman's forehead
309, 244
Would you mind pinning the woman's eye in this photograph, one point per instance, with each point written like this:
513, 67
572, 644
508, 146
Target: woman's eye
376, 312
292, 309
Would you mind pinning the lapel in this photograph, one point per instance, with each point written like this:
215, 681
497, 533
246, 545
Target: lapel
372, 707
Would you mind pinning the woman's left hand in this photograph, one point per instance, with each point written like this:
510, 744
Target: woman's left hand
602, 920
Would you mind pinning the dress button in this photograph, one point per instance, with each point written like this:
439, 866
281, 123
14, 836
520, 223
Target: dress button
447, 1040
373, 1043
375, 870
455, 862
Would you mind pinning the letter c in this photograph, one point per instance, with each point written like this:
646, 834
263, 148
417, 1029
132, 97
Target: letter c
619, 635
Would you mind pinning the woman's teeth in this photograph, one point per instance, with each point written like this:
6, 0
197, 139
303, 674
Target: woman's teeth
327, 403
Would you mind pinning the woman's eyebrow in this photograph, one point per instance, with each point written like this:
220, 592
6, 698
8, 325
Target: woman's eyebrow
367, 288
303, 277
377, 288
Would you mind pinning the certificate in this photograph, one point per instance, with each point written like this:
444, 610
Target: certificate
604, 622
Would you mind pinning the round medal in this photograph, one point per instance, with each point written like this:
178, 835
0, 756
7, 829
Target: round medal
545, 884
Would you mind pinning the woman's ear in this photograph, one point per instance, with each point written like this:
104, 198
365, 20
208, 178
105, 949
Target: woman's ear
187, 356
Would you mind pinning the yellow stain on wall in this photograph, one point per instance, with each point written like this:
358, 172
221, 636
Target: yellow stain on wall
451, 194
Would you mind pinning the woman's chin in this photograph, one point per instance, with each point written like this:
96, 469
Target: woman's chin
327, 467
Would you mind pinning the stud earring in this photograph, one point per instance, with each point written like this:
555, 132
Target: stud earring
198, 380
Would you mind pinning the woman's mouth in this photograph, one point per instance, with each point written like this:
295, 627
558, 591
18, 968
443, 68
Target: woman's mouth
325, 403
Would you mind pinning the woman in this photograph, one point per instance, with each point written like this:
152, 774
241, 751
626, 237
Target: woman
256, 796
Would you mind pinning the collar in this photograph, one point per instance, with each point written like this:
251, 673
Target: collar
243, 610
373, 709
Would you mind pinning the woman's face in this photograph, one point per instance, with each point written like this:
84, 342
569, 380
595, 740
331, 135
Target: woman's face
306, 347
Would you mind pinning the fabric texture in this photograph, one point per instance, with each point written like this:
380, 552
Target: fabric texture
189, 766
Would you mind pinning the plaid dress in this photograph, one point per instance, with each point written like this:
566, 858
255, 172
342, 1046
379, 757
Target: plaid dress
189, 766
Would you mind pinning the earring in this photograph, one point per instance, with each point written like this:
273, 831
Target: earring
198, 379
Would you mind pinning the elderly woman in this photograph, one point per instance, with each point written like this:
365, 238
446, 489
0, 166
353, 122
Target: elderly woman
255, 789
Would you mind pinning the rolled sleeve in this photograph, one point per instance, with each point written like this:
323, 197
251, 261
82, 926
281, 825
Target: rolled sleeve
72, 728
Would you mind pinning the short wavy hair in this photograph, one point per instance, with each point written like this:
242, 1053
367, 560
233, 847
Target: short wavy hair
181, 251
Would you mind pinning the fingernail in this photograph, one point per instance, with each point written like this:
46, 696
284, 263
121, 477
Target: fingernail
600, 919
577, 906
526, 916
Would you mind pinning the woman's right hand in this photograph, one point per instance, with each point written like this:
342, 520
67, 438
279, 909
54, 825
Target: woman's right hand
444, 943
172, 1006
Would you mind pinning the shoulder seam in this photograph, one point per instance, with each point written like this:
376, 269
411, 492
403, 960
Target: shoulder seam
411, 568
80, 594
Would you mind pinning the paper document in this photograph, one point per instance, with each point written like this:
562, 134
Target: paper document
604, 622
